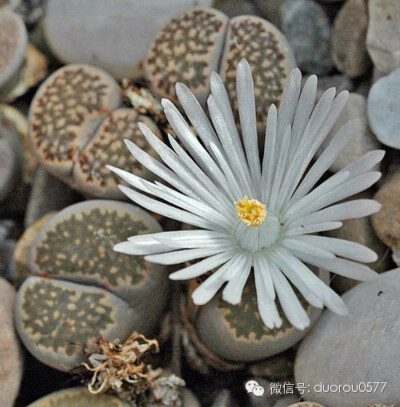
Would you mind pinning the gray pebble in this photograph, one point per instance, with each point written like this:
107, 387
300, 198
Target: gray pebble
308, 32
358, 348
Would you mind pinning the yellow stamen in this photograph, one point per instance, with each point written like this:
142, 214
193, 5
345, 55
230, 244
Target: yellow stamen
252, 213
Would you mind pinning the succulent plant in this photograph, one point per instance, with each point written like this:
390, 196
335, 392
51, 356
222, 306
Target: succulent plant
81, 290
77, 126
194, 44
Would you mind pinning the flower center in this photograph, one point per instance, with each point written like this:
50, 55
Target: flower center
251, 212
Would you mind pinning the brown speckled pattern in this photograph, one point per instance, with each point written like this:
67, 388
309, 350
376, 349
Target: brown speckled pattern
72, 98
81, 244
107, 147
267, 53
186, 50
83, 315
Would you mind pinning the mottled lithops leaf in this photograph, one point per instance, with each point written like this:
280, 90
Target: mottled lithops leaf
237, 333
8, 168
77, 245
65, 111
306, 404
58, 320
186, 50
78, 397
21, 252
268, 54
107, 147
13, 41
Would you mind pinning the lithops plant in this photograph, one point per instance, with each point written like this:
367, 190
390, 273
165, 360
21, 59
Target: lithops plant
106, 146
78, 397
10, 352
200, 41
97, 292
13, 42
237, 333
77, 126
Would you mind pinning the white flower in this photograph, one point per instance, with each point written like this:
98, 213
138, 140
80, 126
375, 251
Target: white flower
252, 215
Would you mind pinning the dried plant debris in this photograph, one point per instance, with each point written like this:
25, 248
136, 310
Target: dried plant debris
121, 369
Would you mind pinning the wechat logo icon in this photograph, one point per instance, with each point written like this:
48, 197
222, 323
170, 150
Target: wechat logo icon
253, 387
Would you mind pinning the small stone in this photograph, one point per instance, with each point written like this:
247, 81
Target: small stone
78, 397
276, 368
349, 48
112, 35
20, 269
17, 125
77, 245
235, 8
13, 42
10, 351
362, 142
269, 55
306, 404
360, 346
65, 111
237, 333
107, 147
269, 9
383, 37
340, 82
34, 69
384, 109
58, 320
186, 50
386, 222
308, 32
48, 194
9, 168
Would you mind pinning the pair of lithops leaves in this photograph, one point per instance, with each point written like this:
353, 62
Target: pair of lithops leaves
200, 41
80, 397
21, 64
80, 289
227, 337
77, 126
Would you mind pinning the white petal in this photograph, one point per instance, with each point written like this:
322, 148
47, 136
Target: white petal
206, 291
232, 293
140, 249
263, 268
302, 245
266, 305
181, 256
291, 306
342, 267
201, 267
248, 121
343, 248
